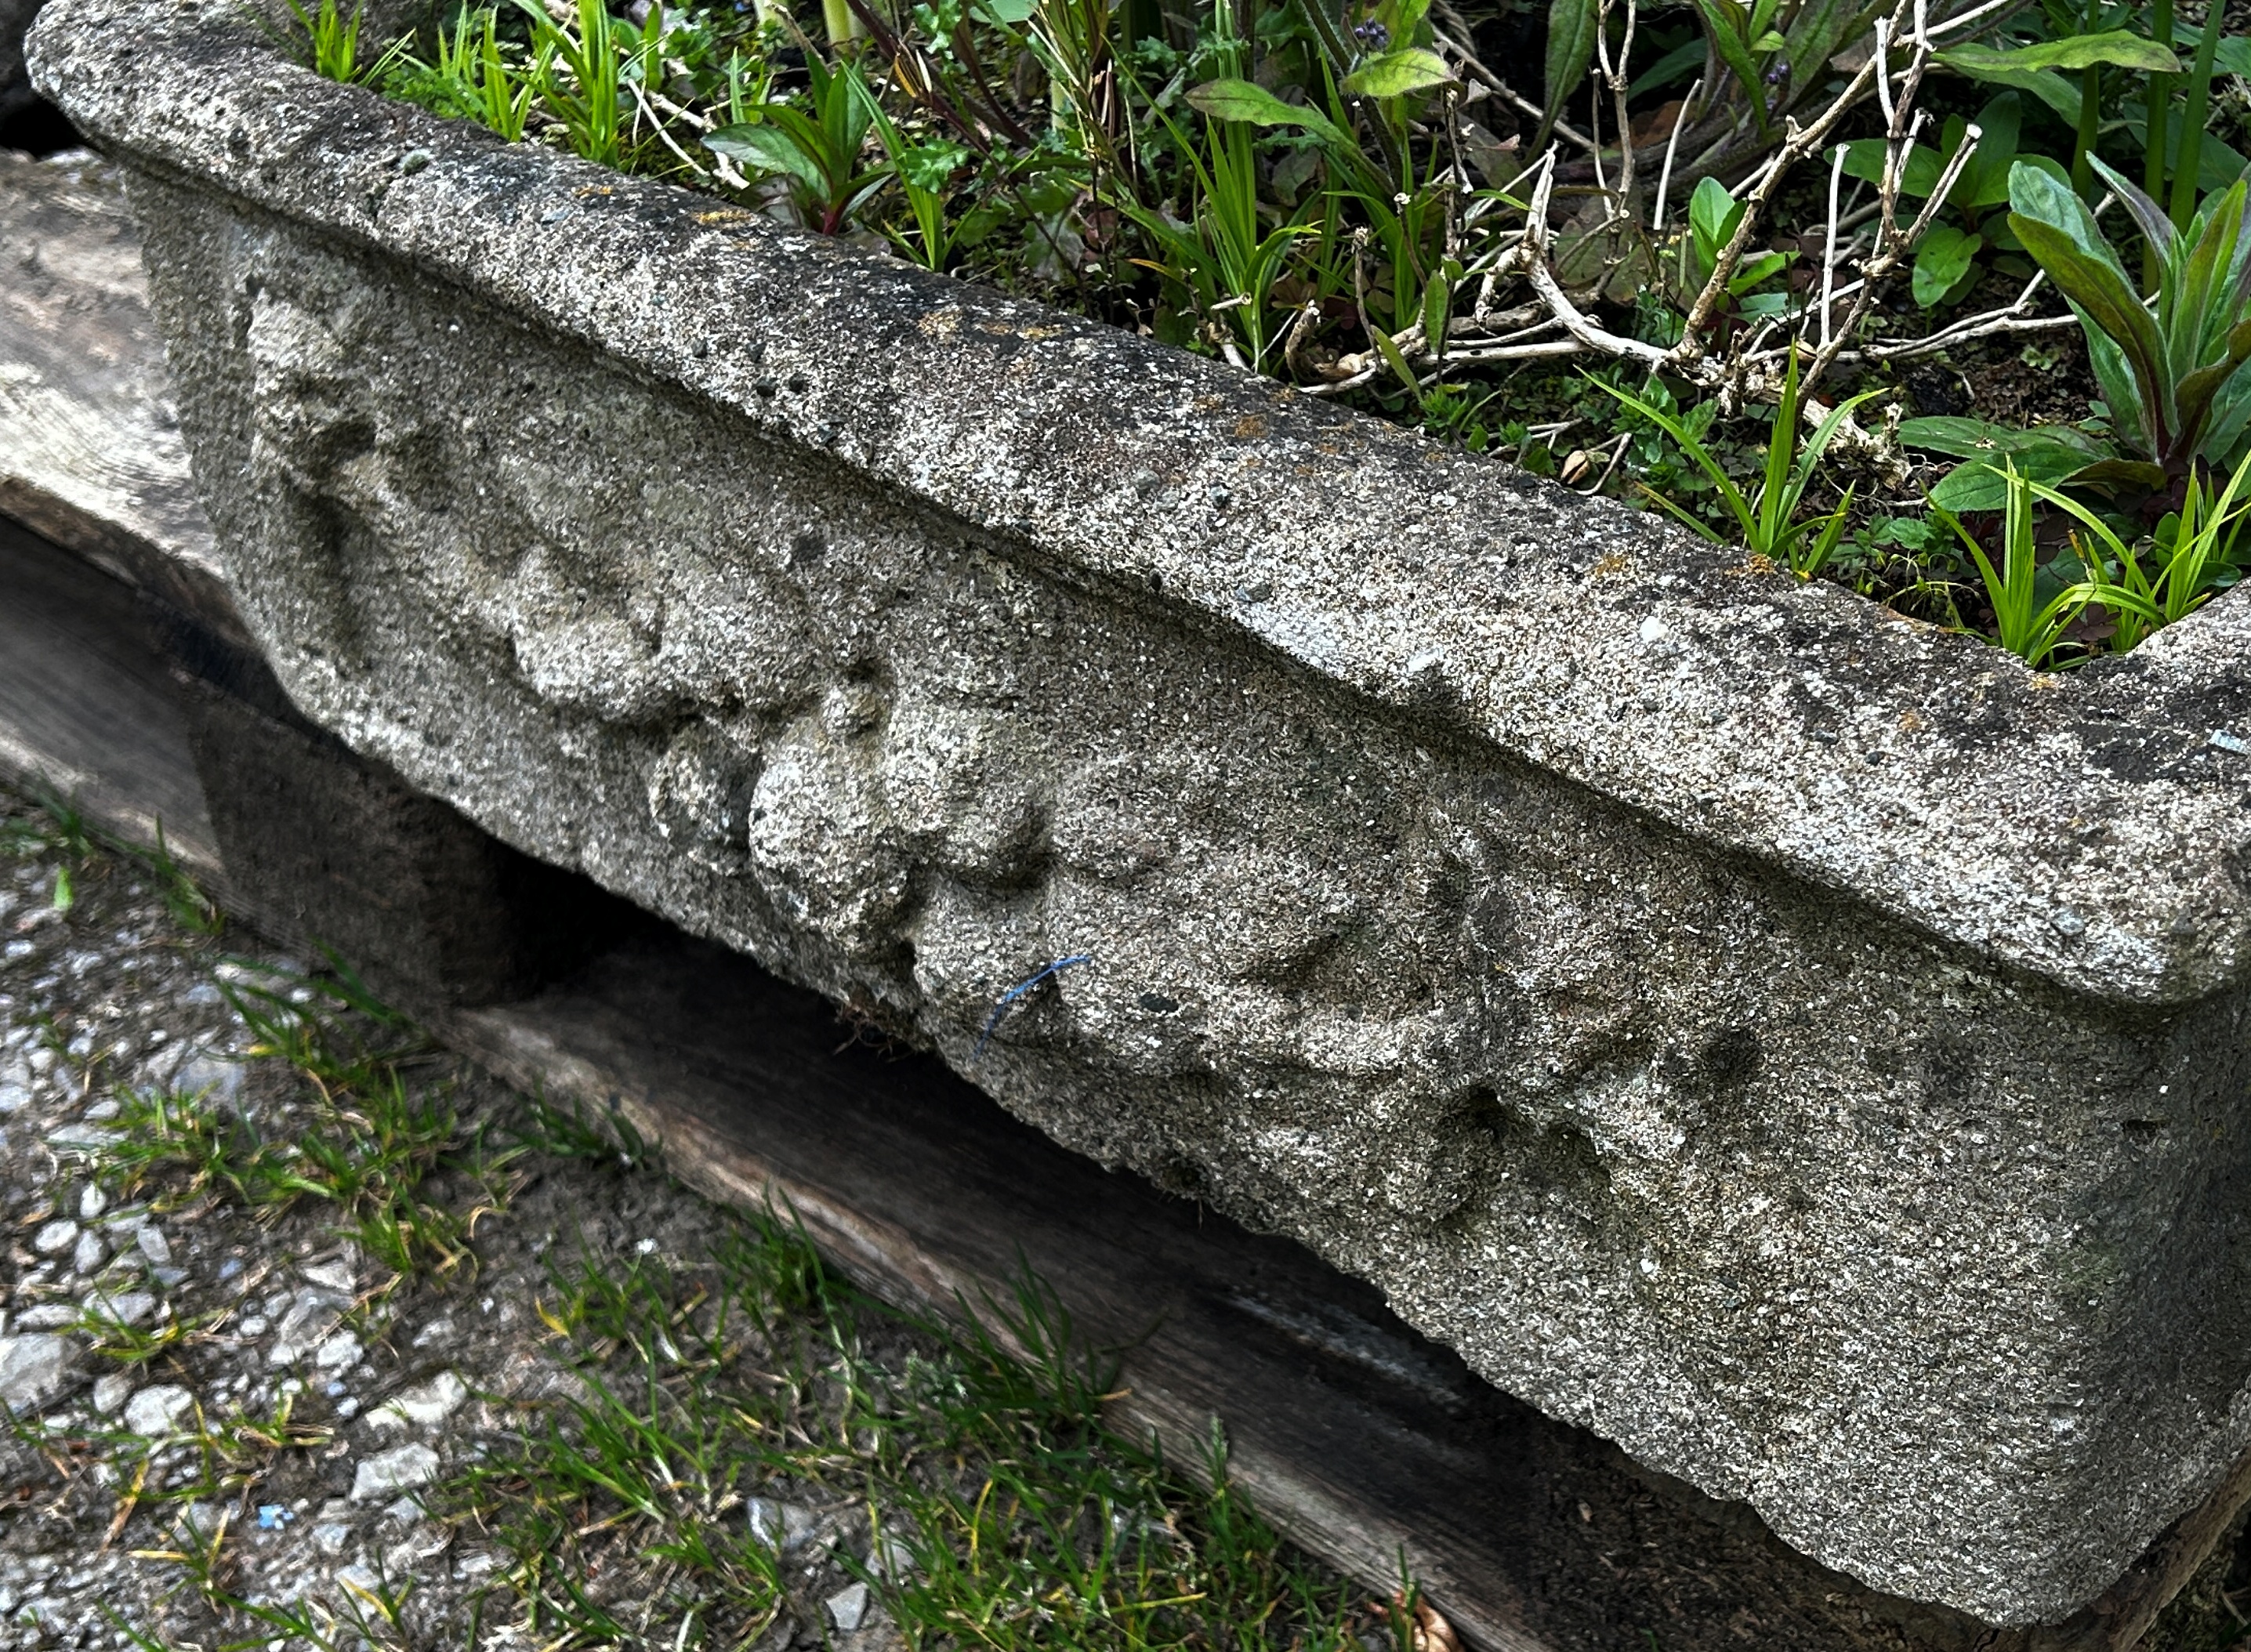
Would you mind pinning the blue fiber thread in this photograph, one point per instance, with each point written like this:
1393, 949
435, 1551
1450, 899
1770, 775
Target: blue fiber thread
993, 1022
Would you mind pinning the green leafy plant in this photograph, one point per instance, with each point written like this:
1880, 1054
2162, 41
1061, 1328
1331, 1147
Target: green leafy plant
2194, 555
1714, 218
2028, 626
819, 156
1769, 520
1946, 260
476, 77
580, 78
924, 171
2170, 379
327, 42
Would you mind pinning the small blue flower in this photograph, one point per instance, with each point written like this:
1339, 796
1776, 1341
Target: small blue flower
1373, 35
271, 1516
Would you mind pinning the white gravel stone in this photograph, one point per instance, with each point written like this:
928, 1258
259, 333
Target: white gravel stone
847, 1607
32, 1369
92, 1201
339, 1353
783, 1526
154, 1245
56, 1237
400, 1469
424, 1407
331, 1276
110, 1391
128, 1306
312, 1315
208, 1076
90, 1252
157, 1412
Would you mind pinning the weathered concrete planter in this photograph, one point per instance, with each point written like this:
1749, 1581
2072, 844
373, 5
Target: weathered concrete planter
1801, 1046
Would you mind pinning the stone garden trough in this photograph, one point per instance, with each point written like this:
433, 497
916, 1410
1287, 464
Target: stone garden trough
1800, 1045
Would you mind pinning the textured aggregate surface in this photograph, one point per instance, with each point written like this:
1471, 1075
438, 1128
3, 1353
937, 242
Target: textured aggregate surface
1800, 1045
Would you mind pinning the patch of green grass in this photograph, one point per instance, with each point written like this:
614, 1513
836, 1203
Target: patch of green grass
368, 1137
111, 1337
61, 830
982, 1497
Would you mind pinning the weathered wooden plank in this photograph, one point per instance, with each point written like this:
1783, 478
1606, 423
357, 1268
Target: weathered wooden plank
86, 705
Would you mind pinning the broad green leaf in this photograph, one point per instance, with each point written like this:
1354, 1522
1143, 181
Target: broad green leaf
2218, 164
1980, 485
1985, 181
1919, 174
1403, 18
1389, 350
1437, 308
1817, 29
1570, 49
2198, 390
765, 149
1752, 270
1723, 22
1396, 73
931, 166
2231, 411
2102, 294
2061, 234
1252, 104
2060, 93
1941, 261
2116, 472
1670, 67
1975, 438
2116, 46
2148, 216
2232, 55
1712, 214
1006, 12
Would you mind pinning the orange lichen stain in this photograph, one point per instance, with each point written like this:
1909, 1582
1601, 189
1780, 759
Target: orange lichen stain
1910, 721
941, 323
1036, 333
1758, 563
585, 190
1615, 563
724, 215
1250, 429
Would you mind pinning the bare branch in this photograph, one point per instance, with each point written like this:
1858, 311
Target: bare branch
1829, 248
1456, 37
1665, 176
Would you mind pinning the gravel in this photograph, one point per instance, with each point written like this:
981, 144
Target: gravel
387, 1387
